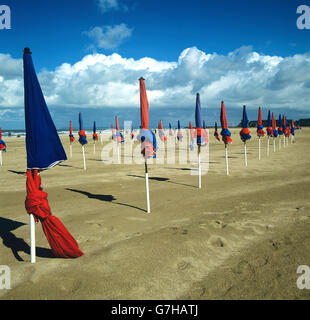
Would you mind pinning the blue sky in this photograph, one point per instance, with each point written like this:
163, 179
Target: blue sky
188, 42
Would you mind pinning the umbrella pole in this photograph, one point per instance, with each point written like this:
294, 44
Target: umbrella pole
199, 168
70, 149
258, 148
280, 143
274, 144
117, 146
147, 188
245, 155
84, 157
226, 159
0, 157
268, 146
94, 147
32, 238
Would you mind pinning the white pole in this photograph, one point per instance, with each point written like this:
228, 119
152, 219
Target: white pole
0, 157
199, 169
70, 150
94, 147
32, 239
268, 146
245, 155
258, 148
147, 189
279, 142
274, 144
118, 158
226, 159
84, 158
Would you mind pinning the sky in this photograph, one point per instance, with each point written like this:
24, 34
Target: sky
89, 55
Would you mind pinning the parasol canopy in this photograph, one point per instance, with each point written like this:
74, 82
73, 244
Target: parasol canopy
43, 146
192, 133
82, 135
198, 121
161, 131
216, 134
179, 134
280, 128
146, 136
245, 132
260, 131
71, 136
95, 135
274, 127
225, 133
269, 125
2, 143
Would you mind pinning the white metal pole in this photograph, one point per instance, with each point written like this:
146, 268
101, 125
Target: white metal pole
268, 146
94, 146
245, 155
84, 161
258, 148
199, 169
70, 150
274, 144
0, 157
32, 239
147, 189
226, 159
118, 157
279, 142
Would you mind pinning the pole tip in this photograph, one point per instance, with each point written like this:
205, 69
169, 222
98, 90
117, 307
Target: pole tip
27, 50
141, 78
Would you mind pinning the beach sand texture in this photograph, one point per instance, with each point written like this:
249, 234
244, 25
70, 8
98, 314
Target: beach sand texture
240, 236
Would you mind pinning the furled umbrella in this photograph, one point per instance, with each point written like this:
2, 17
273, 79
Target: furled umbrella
260, 130
286, 131
82, 138
113, 133
280, 130
44, 150
71, 137
199, 134
274, 131
161, 132
192, 136
225, 133
2, 147
205, 133
119, 138
245, 133
95, 136
269, 131
147, 137
292, 127
132, 135
179, 133
216, 134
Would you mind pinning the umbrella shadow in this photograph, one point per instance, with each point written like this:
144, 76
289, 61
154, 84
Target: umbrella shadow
18, 244
163, 179
18, 172
66, 165
103, 197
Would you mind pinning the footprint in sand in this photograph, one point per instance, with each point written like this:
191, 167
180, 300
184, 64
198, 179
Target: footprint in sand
217, 241
183, 265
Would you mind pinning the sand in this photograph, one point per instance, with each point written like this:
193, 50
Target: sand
240, 236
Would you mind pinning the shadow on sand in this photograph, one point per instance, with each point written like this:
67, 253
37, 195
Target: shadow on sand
103, 197
19, 244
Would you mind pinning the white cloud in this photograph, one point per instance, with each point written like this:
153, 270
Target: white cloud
109, 5
240, 77
109, 37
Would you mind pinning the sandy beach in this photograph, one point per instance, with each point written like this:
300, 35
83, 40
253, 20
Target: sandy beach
240, 236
